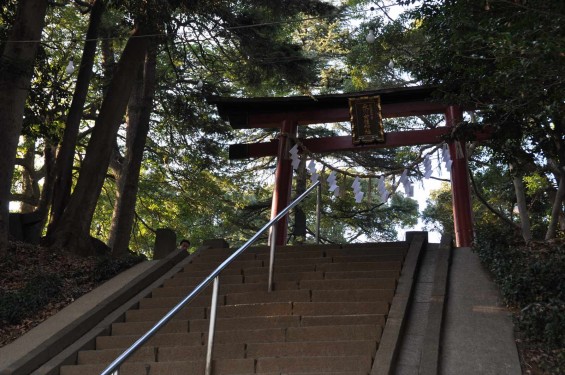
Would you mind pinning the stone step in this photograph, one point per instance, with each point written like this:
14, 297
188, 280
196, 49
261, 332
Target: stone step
362, 274
381, 247
288, 249
325, 315
236, 264
202, 300
347, 284
155, 314
266, 322
365, 251
290, 262
220, 367
292, 255
278, 269
139, 328
315, 349
339, 308
367, 258
203, 273
159, 339
205, 257
248, 336
255, 309
336, 320
320, 249
194, 281
334, 333
323, 365
184, 290
254, 322
221, 351
299, 334
257, 275
367, 263
143, 354
376, 246
281, 308
359, 266
286, 276
353, 295
264, 296
162, 354
290, 334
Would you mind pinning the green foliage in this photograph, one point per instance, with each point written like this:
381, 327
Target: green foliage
7, 14
438, 214
506, 57
545, 322
378, 64
530, 278
18, 305
108, 267
345, 221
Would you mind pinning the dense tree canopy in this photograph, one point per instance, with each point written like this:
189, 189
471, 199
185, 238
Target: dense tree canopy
131, 119
506, 59
185, 182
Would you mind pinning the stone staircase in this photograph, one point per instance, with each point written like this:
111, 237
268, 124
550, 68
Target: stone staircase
325, 316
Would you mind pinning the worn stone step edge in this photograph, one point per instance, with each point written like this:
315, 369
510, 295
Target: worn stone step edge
233, 366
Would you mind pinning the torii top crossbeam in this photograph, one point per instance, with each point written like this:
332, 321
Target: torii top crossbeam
247, 113
287, 113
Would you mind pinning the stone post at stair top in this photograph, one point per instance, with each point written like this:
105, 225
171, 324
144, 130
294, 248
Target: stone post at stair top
411, 234
165, 243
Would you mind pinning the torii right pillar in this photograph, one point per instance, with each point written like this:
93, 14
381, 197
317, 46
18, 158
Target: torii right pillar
460, 190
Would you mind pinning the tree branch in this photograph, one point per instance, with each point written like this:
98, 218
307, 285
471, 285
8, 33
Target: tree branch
489, 207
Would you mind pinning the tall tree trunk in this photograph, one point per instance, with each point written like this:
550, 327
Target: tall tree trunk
46, 197
139, 109
557, 209
522, 206
65, 157
73, 230
30, 184
16, 70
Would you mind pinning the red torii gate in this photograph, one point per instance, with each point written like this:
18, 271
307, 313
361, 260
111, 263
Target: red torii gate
288, 113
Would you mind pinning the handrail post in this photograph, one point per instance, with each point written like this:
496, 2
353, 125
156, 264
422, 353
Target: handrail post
272, 257
212, 326
318, 212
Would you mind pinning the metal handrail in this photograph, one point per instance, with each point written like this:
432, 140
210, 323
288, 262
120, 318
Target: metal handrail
113, 367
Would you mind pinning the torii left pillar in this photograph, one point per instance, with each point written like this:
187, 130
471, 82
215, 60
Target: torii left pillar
283, 179
460, 190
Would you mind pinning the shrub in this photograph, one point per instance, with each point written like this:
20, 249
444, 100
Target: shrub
544, 321
108, 267
530, 277
38, 292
